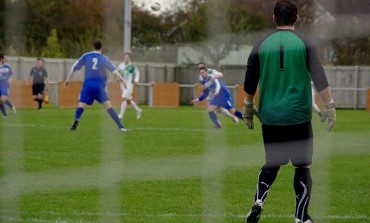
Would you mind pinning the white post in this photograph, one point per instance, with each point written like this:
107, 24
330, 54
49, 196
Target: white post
127, 27
355, 95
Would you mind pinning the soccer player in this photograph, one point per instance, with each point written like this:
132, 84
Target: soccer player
283, 63
39, 76
216, 74
5, 80
218, 95
130, 74
94, 84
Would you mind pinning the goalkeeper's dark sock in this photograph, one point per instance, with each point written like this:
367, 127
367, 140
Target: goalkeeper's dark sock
266, 178
238, 114
214, 119
40, 103
9, 104
2, 109
302, 187
115, 118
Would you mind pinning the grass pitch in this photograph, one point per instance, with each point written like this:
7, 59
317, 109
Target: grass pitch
173, 167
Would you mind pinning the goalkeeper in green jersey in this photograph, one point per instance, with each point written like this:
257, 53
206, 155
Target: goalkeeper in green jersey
283, 62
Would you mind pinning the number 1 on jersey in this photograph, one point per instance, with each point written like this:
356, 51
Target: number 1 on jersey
95, 63
281, 58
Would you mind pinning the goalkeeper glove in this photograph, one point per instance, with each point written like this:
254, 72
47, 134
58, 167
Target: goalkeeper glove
249, 110
329, 113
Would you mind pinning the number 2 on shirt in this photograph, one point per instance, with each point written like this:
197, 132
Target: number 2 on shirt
95, 63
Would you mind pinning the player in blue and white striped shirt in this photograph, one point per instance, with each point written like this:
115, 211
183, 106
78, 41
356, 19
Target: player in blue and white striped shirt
5, 79
94, 84
217, 94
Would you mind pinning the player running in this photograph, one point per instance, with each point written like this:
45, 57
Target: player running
5, 80
216, 74
94, 85
218, 95
130, 73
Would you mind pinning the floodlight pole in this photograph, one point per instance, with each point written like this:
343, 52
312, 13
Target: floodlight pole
127, 27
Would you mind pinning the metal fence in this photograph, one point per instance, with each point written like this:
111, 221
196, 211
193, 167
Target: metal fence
349, 83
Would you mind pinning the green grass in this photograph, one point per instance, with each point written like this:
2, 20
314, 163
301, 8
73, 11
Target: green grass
173, 167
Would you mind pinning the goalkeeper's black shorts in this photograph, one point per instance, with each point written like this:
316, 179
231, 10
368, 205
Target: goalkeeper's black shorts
288, 143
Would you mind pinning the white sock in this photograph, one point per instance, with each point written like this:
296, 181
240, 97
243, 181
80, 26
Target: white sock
226, 112
123, 108
134, 105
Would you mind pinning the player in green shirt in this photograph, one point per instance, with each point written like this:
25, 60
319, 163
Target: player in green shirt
283, 63
130, 73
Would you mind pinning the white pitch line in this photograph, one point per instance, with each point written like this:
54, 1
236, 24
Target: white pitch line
84, 127
165, 215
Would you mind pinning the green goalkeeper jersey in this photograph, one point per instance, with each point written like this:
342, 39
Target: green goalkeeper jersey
283, 63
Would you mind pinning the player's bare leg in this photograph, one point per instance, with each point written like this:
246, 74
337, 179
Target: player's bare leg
225, 112
228, 114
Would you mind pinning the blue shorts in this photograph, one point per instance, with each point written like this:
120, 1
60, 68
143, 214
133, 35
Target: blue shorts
224, 101
89, 94
4, 90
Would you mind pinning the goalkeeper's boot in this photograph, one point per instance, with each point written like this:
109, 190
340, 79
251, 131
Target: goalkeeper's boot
74, 126
255, 212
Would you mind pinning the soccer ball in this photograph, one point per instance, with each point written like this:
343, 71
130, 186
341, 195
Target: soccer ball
155, 6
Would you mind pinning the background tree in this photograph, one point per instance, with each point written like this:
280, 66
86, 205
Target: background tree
77, 23
212, 26
52, 47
